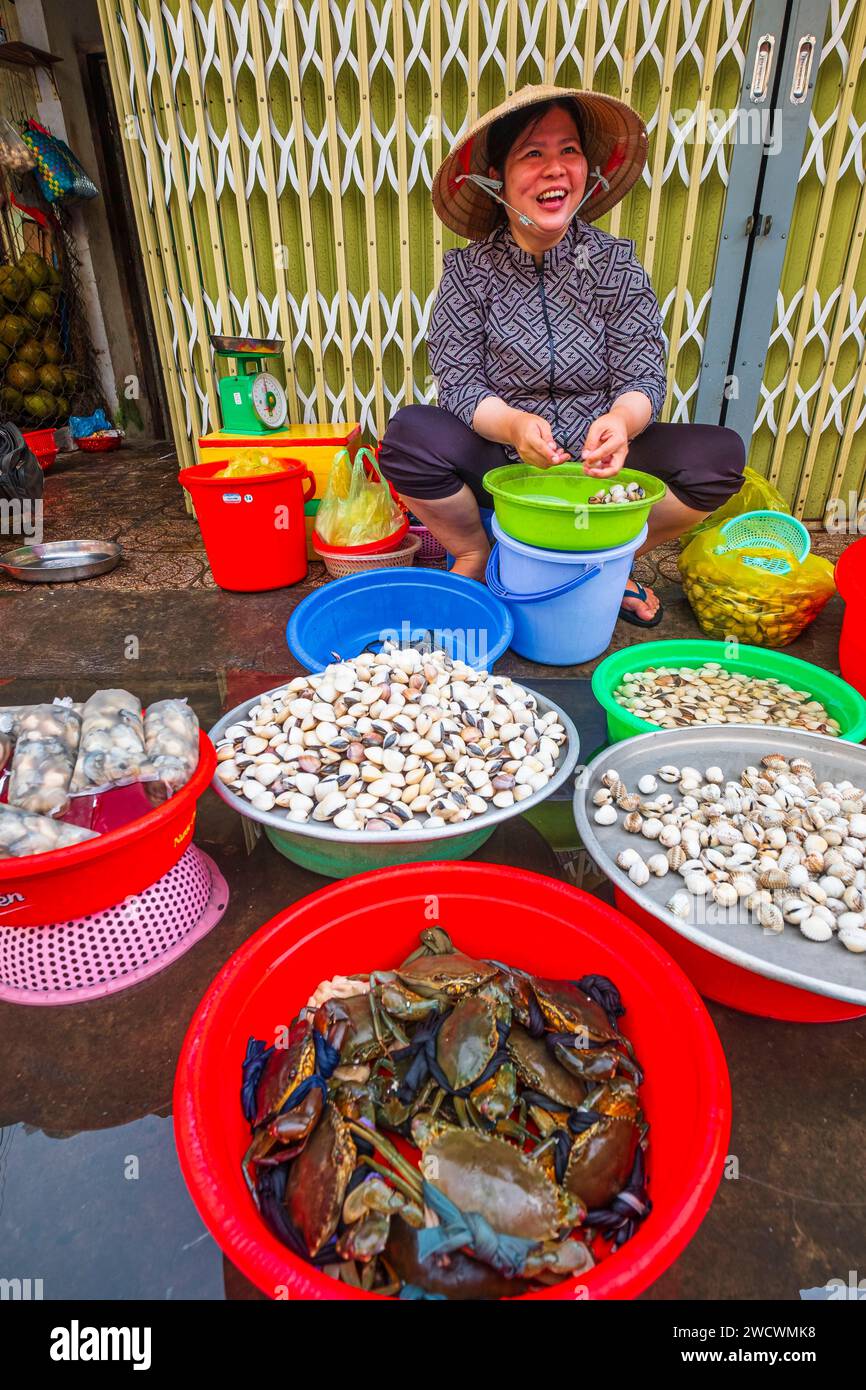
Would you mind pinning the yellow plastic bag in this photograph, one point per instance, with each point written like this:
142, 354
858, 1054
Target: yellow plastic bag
755, 495
356, 510
249, 463
733, 599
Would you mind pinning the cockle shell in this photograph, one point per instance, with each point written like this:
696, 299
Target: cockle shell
680, 905
815, 929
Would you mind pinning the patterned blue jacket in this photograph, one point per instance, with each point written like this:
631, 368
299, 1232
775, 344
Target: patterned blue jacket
563, 340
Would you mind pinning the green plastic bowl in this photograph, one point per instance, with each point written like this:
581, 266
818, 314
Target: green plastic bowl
550, 508
841, 701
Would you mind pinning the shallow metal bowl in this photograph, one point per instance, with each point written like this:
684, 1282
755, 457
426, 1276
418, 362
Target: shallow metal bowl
335, 852
61, 562
821, 967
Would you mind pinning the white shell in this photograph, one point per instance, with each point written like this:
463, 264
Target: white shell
669, 773
851, 921
658, 865
770, 917
605, 815
639, 873
647, 784
626, 858
680, 905
715, 774
816, 929
853, 939
725, 894
652, 828
698, 884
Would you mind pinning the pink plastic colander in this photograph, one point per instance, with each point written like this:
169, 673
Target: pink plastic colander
110, 950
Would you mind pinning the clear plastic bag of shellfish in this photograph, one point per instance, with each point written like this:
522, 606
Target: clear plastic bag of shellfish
171, 740
46, 748
23, 833
111, 750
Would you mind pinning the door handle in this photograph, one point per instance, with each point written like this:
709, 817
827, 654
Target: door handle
763, 64
803, 68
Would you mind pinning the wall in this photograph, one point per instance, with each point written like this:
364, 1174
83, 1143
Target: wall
69, 30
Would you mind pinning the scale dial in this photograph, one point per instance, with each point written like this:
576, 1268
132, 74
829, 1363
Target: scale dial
269, 401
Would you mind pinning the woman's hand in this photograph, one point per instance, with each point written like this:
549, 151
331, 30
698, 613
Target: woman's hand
606, 445
533, 439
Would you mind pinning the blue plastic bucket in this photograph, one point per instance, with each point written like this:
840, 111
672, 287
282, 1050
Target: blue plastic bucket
564, 603
356, 614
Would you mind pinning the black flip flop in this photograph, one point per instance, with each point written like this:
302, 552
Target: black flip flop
629, 617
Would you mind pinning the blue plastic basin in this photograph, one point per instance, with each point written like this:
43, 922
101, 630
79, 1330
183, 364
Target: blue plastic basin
361, 612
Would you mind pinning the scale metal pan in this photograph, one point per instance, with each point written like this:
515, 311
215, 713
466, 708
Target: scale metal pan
237, 347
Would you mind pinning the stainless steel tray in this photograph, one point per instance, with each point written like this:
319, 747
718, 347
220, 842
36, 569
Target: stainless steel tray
418, 833
61, 562
822, 967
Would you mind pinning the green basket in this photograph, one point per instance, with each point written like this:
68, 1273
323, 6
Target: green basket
550, 508
841, 701
772, 530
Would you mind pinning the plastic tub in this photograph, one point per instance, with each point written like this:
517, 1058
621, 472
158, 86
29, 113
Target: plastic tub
361, 612
253, 528
851, 582
840, 700
42, 443
380, 547
550, 507
564, 604
43, 889
340, 564
491, 911
730, 984
723, 950
337, 853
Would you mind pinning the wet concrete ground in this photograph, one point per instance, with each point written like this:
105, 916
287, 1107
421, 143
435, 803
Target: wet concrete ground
91, 1197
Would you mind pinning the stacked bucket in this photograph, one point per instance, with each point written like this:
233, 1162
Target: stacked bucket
560, 563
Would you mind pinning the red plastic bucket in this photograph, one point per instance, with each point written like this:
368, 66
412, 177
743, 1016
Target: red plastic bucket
47, 888
490, 910
850, 578
731, 984
253, 528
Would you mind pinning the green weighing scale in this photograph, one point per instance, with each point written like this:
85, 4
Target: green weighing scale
252, 400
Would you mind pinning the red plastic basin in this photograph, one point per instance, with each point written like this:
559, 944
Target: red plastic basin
43, 443
47, 888
719, 979
850, 576
489, 910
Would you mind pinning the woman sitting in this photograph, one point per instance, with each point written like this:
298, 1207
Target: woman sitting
545, 336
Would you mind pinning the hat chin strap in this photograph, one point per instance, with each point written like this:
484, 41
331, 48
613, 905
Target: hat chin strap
491, 186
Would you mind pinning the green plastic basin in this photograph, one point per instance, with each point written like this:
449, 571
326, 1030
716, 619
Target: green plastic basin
549, 507
840, 700
341, 859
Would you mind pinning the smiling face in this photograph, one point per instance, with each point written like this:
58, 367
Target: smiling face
544, 177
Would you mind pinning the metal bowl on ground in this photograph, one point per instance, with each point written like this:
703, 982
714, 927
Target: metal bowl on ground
727, 955
338, 853
61, 562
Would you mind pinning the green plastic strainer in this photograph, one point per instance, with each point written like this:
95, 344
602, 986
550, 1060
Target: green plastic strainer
777, 530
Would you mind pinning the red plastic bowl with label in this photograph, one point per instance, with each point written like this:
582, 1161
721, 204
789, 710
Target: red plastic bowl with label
43, 889
489, 910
